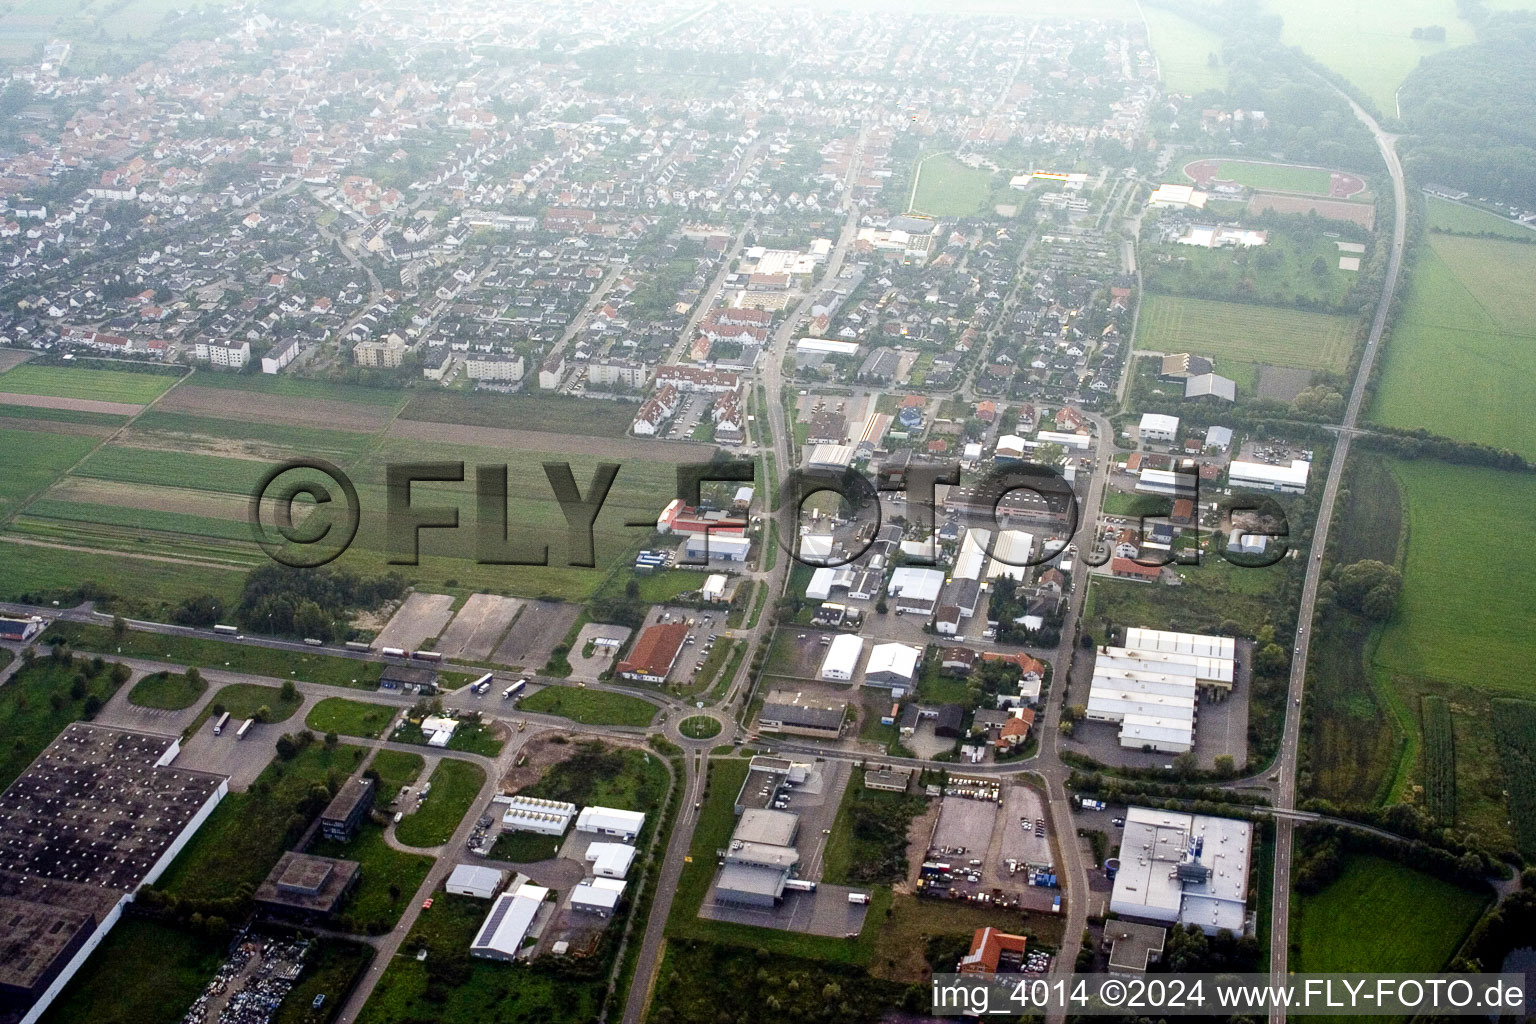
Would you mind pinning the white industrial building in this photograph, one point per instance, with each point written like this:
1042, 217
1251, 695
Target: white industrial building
833, 457
842, 658
531, 814
892, 665
1262, 476
1151, 686
610, 860
713, 589
972, 559
600, 896
506, 926
1011, 554
1167, 482
915, 590
717, 547
1184, 869
1156, 426
475, 880
609, 821
1073, 440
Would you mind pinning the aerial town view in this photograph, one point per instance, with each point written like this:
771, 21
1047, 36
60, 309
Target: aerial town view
556, 512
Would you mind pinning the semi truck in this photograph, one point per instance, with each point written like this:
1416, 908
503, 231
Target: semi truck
355, 645
514, 689
393, 652
229, 630
245, 728
218, 727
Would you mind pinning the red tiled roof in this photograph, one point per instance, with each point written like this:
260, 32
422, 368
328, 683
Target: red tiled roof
655, 651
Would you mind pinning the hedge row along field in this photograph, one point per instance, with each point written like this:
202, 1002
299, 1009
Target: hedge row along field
1439, 759
1514, 725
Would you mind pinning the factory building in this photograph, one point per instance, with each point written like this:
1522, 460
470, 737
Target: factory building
531, 814
1184, 869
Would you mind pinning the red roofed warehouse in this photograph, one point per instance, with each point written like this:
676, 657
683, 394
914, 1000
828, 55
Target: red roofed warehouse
654, 653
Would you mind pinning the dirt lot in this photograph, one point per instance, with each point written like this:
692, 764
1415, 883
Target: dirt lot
1282, 383
479, 626
10, 357
326, 413
539, 752
420, 618
541, 441
74, 404
540, 626
1363, 214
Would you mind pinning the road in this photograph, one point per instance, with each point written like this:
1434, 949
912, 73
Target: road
1285, 797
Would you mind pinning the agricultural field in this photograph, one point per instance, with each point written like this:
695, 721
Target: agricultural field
945, 187
1368, 42
1382, 916
1439, 759
1249, 333
1514, 723
552, 414
350, 717
1442, 215
455, 785
591, 707
87, 384
33, 460
1466, 332
1183, 51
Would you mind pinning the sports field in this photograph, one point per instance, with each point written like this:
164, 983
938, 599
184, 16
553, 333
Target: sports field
1367, 41
945, 187
1244, 332
78, 382
1463, 352
1381, 916
1280, 177
1183, 50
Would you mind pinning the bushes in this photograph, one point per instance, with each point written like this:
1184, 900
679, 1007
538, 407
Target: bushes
1439, 759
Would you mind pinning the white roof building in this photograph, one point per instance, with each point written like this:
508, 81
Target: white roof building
507, 925
609, 821
1290, 479
916, 589
1177, 197
1167, 482
972, 558
826, 347
532, 814
1151, 686
842, 658
1156, 426
474, 880
835, 457
610, 860
713, 588
892, 665
1066, 440
1185, 869
599, 896
1010, 555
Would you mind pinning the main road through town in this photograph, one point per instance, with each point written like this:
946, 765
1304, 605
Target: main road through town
1285, 798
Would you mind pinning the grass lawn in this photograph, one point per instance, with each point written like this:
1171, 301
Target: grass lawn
243, 700
331, 969
1183, 51
29, 716
249, 831
1250, 333
948, 188
124, 983
452, 987
623, 777
1469, 304
468, 738
455, 784
33, 460
396, 768
661, 587
1278, 177
1460, 219
78, 382
389, 879
141, 588
1288, 271
591, 707
1382, 916
1368, 42
350, 717
208, 652
524, 847
699, 727
167, 691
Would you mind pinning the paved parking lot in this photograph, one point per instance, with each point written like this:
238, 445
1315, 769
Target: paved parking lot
585, 669
964, 825
823, 912
540, 626
478, 627
422, 617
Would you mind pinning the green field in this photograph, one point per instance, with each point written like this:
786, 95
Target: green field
623, 777
350, 717
1293, 269
455, 784
288, 386
31, 412
1514, 723
120, 983
1381, 916
524, 847
332, 967
948, 188
699, 727
591, 707
1276, 177
389, 878
549, 413
1368, 42
30, 714
1238, 331
156, 427
33, 460
144, 587
396, 768
169, 691
1439, 759
1183, 51
78, 382
1464, 346
1460, 219
469, 737
452, 987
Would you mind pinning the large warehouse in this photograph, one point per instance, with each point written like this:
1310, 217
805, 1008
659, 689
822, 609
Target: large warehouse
915, 590
1185, 869
1261, 476
842, 658
508, 923
796, 714
1151, 686
760, 859
101, 812
893, 665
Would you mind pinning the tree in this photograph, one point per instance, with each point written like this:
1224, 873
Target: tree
1269, 660
119, 629
289, 692
195, 677
1369, 587
1186, 764
1226, 764
263, 714
331, 739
